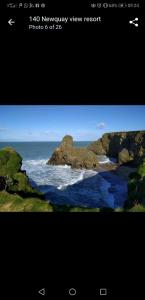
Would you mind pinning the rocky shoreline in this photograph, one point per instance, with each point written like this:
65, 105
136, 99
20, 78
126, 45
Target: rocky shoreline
126, 177
124, 146
128, 148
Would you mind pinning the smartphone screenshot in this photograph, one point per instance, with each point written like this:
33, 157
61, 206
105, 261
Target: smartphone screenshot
72, 149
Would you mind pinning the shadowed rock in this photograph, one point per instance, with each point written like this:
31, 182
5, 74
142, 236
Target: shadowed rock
125, 146
66, 154
2, 183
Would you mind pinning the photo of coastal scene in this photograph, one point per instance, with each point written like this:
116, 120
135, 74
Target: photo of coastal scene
72, 158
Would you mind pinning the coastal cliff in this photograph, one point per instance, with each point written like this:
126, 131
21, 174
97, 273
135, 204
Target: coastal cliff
127, 147
124, 146
16, 193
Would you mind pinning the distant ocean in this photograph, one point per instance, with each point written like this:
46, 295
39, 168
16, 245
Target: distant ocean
63, 185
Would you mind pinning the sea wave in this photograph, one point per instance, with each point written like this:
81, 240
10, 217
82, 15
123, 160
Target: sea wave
34, 162
64, 166
71, 182
103, 159
59, 176
78, 187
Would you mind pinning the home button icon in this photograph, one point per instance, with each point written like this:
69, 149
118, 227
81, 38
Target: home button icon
72, 291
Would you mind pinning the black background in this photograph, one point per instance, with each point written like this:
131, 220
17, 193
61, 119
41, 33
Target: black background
84, 66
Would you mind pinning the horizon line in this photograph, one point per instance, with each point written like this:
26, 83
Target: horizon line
4, 141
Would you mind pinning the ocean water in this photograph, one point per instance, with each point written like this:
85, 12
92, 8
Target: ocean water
63, 185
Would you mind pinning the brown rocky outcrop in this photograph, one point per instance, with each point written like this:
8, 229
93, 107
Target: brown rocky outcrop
75, 157
125, 146
123, 156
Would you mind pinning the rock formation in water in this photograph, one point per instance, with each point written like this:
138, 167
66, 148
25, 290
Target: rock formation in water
67, 154
16, 193
125, 146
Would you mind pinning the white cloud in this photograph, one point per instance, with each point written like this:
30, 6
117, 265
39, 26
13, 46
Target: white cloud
101, 125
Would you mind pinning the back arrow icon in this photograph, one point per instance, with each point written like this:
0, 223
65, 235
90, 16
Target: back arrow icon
11, 22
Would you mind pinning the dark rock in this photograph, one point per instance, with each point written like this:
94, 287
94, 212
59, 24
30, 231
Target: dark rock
2, 183
111, 144
66, 154
5, 183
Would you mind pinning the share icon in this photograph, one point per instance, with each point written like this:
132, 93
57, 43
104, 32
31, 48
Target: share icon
134, 22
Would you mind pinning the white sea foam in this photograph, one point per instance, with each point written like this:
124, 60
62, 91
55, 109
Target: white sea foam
60, 176
34, 162
72, 181
78, 187
64, 166
103, 159
106, 161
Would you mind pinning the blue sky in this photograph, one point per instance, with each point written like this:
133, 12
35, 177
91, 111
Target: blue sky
52, 122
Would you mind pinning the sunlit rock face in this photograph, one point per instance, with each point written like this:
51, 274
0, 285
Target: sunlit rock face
67, 154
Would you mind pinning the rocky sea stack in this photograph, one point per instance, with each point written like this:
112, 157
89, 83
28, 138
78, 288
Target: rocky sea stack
67, 154
128, 148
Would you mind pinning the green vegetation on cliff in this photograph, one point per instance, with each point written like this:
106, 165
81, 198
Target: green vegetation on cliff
16, 193
136, 187
137, 208
16, 180
10, 162
15, 203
